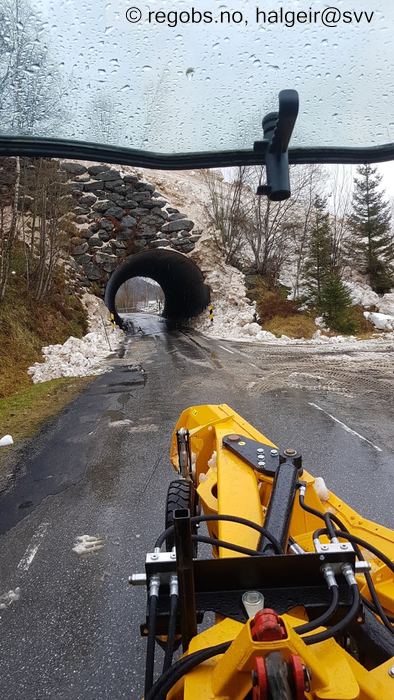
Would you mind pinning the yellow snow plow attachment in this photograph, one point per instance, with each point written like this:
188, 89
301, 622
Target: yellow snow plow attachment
301, 587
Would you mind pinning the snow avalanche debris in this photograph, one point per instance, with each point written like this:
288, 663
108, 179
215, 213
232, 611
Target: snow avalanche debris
80, 357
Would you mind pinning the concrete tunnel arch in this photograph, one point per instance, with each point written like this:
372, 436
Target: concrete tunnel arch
186, 294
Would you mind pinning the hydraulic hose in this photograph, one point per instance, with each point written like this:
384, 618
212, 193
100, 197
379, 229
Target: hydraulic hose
370, 547
375, 606
169, 652
226, 545
323, 516
150, 649
341, 625
164, 684
324, 618
229, 518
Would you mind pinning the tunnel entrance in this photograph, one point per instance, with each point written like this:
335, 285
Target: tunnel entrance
186, 294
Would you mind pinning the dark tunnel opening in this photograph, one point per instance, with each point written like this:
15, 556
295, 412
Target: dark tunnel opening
186, 294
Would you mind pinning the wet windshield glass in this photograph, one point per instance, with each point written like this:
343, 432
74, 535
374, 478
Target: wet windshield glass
186, 77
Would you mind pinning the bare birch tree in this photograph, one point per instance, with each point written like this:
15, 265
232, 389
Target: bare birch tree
275, 226
48, 223
340, 205
311, 177
228, 211
8, 222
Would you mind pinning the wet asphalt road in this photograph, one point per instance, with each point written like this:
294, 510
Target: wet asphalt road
69, 621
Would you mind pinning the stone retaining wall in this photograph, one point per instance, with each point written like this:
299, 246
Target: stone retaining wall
117, 215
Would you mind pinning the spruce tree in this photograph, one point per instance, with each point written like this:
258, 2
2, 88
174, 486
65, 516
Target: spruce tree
318, 260
372, 244
336, 305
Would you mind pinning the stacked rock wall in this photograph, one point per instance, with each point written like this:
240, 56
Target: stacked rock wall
117, 215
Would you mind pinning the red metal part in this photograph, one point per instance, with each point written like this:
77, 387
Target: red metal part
267, 626
260, 682
298, 677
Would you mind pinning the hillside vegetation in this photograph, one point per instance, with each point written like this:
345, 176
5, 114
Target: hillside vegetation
27, 325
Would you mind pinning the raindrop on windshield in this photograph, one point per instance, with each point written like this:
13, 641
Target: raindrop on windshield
190, 73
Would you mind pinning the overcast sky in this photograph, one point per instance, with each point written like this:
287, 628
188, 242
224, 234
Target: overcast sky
197, 86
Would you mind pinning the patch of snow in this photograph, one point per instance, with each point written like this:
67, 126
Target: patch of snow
86, 544
80, 357
362, 294
10, 597
234, 314
386, 304
382, 322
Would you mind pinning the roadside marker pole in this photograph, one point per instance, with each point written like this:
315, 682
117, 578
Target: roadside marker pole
105, 331
211, 313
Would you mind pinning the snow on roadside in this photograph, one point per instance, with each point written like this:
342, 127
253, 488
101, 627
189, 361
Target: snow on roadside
382, 322
233, 311
80, 357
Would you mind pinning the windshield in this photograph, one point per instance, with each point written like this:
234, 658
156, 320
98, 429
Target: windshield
181, 78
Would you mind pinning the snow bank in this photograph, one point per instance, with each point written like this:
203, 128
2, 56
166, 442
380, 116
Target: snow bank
233, 311
386, 304
383, 322
361, 294
80, 357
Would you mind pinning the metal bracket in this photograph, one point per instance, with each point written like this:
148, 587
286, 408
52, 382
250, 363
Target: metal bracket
184, 453
263, 458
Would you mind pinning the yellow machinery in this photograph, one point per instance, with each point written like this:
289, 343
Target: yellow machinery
299, 591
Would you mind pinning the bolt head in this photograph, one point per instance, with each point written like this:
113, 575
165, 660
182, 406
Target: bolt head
324, 546
260, 449
154, 556
391, 671
261, 464
274, 453
289, 452
343, 546
233, 438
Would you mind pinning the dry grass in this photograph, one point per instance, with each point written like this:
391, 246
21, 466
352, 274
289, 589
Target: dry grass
296, 326
277, 314
25, 326
365, 329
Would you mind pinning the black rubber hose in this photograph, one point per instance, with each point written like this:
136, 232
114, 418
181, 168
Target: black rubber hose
373, 607
229, 518
150, 649
169, 652
164, 684
226, 545
323, 516
370, 547
324, 618
376, 606
341, 625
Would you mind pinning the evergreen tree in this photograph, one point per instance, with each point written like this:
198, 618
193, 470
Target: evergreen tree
372, 246
336, 305
318, 260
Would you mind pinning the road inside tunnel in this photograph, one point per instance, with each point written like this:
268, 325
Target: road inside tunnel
186, 294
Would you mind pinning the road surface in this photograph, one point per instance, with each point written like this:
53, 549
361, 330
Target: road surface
89, 497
